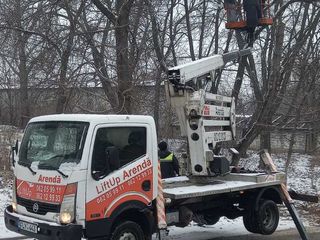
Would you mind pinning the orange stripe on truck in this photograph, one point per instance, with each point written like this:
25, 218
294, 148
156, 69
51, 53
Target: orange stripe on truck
131, 190
50, 193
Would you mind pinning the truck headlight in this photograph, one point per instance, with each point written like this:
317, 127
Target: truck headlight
14, 206
66, 217
67, 210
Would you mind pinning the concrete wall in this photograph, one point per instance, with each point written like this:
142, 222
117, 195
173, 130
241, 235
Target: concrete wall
280, 142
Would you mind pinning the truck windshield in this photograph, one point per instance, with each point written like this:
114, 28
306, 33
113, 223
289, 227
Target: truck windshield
50, 144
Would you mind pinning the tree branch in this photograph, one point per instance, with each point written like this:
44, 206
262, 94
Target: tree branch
283, 8
4, 27
106, 11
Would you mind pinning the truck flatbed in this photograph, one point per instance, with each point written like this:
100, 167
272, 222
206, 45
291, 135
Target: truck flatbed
184, 187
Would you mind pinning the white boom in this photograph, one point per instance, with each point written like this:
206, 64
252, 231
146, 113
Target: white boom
205, 118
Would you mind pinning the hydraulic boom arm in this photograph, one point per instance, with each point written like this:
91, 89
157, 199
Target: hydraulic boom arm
205, 118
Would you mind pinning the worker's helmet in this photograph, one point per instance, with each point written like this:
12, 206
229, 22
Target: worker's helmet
163, 146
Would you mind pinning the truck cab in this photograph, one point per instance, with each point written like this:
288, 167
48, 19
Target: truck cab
77, 174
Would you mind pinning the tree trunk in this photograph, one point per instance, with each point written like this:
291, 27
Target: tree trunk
265, 136
289, 155
62, 91
311, 142
23, 78
189, 30
265, 140
203, 22
120, 21
124, 76
63, 81
216, 29
238, 82
157, 92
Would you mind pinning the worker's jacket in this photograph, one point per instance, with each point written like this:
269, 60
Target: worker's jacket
169, 164
253, 12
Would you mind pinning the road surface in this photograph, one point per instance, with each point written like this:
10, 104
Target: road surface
314, 234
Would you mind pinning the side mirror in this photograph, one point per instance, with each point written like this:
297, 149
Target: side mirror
14, 151
111, 163
16, 147
96, 175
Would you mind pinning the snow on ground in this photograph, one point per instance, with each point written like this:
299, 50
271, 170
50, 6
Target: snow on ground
303, 172
5, 196
224, 228
4, 232
5, 199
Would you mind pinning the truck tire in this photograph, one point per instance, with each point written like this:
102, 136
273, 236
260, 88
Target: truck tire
128, 231
267, 217
263, 221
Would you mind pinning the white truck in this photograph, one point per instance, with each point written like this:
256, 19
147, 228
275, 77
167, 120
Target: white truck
98, 176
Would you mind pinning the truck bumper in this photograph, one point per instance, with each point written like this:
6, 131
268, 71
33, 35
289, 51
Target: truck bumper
40, 229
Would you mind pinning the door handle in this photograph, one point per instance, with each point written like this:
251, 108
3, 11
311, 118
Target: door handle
146, 185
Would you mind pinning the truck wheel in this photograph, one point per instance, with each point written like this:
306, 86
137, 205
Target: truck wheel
267, 217
265, 220
128, 231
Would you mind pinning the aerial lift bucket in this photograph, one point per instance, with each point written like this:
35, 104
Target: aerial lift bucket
236, 16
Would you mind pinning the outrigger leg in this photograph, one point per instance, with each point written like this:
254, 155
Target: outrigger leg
267, 161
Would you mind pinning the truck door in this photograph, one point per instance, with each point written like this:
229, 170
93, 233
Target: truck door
120, 169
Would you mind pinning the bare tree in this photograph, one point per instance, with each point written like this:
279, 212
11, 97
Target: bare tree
72, 17
279, 61
119, 17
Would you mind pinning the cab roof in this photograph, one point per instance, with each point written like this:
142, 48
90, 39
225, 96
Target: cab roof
94, 118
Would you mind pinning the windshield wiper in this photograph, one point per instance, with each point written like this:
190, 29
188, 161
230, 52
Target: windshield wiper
28, 165
63, 174
50, 167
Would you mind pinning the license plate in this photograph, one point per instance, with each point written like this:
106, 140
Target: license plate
30, 227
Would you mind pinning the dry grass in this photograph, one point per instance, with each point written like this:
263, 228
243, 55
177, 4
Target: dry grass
6, 179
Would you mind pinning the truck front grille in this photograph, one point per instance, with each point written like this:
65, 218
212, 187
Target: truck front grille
41, 208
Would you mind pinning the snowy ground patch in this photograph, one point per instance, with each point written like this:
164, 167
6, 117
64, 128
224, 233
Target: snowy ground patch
224, 228
5, 199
